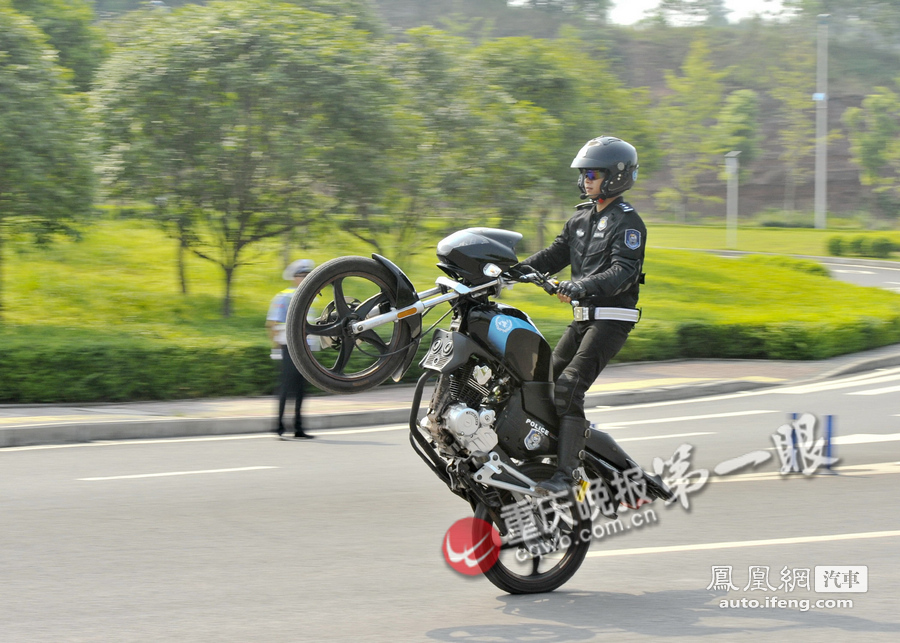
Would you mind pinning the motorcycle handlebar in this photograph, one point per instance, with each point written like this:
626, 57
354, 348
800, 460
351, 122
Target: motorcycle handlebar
544, 280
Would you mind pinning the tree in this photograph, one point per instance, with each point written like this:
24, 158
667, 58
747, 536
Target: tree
46, 177
551, 74
709, 12
875, 22
590, 9
688, 114
737, 128
874, 132
478, 151
248, 118
69, 27
793, 83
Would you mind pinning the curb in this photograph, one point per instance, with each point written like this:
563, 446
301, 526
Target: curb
868, 364
94, 431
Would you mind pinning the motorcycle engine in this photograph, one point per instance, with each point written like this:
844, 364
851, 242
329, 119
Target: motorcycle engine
463, 412
474, 430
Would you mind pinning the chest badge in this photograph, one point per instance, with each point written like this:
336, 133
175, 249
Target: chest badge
601, 225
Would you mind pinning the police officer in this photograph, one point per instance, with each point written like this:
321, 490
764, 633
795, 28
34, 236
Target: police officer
604, 244
291, 382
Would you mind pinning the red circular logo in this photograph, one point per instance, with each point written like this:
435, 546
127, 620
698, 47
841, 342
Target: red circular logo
471, 546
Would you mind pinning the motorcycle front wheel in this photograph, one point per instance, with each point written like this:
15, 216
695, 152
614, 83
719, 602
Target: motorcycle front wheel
318, 327
522, 568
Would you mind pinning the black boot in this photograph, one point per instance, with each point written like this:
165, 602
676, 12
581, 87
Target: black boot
570, 443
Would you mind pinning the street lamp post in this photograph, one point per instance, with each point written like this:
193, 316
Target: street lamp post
821, 98
732, 167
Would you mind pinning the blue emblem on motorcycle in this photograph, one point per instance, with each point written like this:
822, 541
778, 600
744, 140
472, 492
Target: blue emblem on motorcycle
502, 326
533, 440
633, 239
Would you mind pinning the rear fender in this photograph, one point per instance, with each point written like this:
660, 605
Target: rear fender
602, 445
607, 458
406, 296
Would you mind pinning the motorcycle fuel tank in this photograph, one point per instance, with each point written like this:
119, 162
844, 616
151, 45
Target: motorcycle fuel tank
509, 334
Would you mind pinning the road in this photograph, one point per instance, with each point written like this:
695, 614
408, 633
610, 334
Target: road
877, 274
246, 538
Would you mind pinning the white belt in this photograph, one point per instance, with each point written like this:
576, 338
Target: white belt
588, 313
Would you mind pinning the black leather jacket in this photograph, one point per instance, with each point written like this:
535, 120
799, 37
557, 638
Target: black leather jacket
605, 250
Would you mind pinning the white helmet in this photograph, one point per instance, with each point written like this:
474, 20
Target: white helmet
298, 267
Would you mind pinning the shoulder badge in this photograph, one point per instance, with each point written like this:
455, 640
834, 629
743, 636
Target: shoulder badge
633, 238
626, 207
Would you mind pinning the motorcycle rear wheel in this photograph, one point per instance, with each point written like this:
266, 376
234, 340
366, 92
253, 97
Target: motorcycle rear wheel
530, 574
337, 293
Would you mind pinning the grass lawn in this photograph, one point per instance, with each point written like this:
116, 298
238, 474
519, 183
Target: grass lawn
121, 279
112, 300
790, 241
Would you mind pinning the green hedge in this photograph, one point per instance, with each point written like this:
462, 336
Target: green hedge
128, 369
787, 341
862, 246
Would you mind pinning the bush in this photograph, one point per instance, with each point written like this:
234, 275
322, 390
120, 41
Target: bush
836, 246
856, 244
125, 369
879, 247
128, 370
787, 341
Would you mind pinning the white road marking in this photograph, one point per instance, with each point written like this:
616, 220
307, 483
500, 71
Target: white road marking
729, 396
113, 443
637, 551
857, 265
685, 418
877, 377
853, 272
175, 473
380, 429
865, 438
211, 438
875, 469
692, 400
663, 437
877, 391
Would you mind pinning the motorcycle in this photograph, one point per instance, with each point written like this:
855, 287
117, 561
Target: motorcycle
489, 431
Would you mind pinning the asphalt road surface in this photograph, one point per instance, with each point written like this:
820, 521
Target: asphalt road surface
865, 273
247, 538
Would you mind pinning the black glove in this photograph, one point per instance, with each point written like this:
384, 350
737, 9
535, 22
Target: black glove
523, 273
571, 289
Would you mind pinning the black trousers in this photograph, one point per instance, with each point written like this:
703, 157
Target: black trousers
584, 350
292, 385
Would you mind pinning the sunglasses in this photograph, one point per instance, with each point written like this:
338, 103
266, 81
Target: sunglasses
592, 175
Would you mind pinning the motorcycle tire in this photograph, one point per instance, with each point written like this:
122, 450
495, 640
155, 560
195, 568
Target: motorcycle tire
537, 574
351, 288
